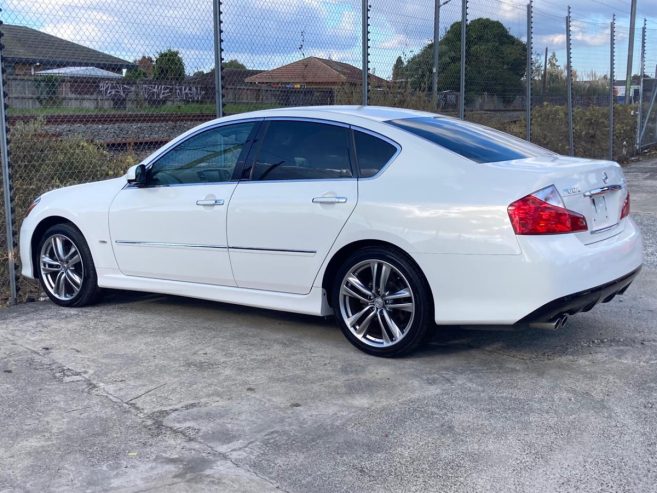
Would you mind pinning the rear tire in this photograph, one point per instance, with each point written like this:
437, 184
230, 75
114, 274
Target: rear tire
382, 302
65, 267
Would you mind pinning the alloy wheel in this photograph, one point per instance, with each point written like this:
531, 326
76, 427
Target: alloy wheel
377, 303
61, 266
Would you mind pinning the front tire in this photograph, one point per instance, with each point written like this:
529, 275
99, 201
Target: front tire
382, 302
65, 267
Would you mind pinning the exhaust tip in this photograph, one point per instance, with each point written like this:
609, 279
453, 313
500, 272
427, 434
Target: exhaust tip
556, 324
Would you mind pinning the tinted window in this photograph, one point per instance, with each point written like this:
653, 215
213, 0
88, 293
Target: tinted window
481, 144
208, 157
372, 153
296, 150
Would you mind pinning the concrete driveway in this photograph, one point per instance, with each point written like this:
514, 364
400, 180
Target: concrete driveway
162, 393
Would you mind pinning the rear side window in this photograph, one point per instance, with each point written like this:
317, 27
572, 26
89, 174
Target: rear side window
478, 143
298, 150
372, 153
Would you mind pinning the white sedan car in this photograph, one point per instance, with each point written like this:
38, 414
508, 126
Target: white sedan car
391, 219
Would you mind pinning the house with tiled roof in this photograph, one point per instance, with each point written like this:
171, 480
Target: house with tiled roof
28, 51
313, 72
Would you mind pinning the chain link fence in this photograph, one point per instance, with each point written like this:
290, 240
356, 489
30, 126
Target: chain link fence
91, 88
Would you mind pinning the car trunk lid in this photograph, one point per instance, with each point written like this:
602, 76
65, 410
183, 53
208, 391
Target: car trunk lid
594, 188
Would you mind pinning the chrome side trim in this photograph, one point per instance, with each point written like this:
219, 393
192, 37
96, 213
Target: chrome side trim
307, 119
601, 190
276, 250
161, 244
602, 230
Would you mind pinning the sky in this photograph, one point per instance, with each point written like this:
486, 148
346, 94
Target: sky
264, 34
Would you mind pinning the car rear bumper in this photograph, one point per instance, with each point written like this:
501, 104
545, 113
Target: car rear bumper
581, 301
506, 289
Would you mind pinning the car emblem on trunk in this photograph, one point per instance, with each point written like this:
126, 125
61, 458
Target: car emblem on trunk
605, 177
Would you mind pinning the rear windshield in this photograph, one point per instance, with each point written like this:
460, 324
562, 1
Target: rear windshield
475, 142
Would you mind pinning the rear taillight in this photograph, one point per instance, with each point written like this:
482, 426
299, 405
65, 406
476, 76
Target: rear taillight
625, 211
544, 213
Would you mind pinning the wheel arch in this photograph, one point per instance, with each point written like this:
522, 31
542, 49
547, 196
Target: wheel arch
344, 252
38, 233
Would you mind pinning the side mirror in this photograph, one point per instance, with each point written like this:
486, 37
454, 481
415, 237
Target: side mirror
136, 174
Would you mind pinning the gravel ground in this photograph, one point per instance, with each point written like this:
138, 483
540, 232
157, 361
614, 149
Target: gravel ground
162, 393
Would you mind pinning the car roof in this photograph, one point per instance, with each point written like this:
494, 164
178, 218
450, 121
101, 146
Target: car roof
338, 113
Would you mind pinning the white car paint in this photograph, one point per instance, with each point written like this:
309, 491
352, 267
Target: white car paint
447, 212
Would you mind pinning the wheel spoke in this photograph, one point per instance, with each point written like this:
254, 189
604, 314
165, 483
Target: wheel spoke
73, 251
76, 259
402, 293
60, 287
374, 266
384, 332
355, 282
365, 324
350, 292
58, 246
47, 260
407, 307
383, 278
396, 332
74, 280
354, 318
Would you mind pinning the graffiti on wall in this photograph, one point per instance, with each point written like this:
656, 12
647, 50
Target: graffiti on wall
157, 93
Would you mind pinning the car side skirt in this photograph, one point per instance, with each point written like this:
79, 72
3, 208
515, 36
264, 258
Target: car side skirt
313, 303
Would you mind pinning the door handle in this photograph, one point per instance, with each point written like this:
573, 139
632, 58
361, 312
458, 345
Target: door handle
329, 200
210, 202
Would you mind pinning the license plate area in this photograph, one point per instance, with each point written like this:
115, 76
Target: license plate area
599, 213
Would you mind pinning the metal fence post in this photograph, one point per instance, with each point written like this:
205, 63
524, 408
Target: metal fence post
436, 36
218, 59
464, 22
366, 49
612, 53
530, 78
569, 87
642, 73
630, 52
6, 183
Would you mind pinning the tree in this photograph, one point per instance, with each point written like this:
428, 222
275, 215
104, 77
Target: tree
145, 64
234, 63
142, 69
169, 65
495, 61
398, 69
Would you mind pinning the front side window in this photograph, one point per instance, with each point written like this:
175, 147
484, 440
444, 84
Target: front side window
209, 157
372, 153
299, 150
476, 142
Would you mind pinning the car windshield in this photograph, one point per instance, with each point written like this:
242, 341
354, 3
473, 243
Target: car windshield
478, 143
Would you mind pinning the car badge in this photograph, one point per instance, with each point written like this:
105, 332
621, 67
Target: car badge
605, 177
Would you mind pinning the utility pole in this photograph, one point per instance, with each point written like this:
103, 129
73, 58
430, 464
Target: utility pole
436, 54
544, 75
630, 53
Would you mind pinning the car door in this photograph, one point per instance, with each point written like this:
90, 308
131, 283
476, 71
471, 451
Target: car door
174, 226
300, 191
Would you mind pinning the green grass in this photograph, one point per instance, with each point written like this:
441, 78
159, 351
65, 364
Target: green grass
177, 109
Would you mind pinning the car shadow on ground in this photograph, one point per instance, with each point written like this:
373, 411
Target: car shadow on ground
444, 340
